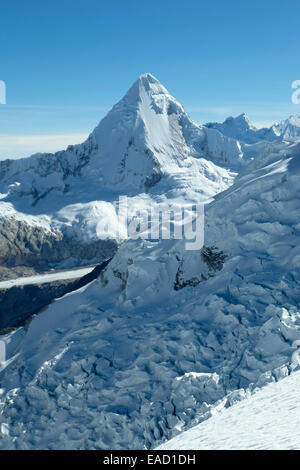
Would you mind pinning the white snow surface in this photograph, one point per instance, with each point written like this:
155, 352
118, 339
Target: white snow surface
165, 335
267, 420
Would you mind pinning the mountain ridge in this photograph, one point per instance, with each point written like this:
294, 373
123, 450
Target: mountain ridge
146, 147
145, 135
242, 129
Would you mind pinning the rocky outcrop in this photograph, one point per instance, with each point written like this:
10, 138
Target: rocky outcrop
16, 272
19, 303
26, 246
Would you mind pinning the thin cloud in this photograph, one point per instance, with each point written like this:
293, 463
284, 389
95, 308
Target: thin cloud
210, 110
261, 124
18, 146
57, 107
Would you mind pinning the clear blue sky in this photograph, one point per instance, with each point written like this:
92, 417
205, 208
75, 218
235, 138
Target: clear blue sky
66, 62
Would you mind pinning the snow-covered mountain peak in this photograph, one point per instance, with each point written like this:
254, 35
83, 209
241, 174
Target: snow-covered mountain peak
244, 120
288, 129
242, 129
294, 119
139, 140
145, 94
146, 91
239, 127
145, 83
148, 135
147, 143
241, 122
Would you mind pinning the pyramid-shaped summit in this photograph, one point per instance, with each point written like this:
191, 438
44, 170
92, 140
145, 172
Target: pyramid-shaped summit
148, 135
146, 140
242, 122
145, 83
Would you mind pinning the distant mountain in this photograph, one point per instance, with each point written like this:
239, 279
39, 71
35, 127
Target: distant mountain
288, 129
240, 128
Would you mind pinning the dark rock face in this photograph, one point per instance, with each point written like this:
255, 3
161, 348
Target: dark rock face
214, 260
15, 272
36, 248
19, 303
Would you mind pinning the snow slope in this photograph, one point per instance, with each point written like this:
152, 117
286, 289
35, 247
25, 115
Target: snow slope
267, 420
165, 335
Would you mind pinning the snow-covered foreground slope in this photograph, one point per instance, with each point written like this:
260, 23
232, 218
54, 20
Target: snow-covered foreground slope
165, 335
288, 129
267, 420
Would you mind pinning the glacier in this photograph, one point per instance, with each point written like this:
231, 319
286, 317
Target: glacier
165, 336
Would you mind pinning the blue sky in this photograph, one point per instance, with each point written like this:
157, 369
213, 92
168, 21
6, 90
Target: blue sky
66, 62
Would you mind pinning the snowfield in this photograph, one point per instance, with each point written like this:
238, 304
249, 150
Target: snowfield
165, 337
267, 420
